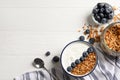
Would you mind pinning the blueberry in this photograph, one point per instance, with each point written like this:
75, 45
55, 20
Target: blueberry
91, 40
104, 20
90, 50
77, 61
101, 15
81, 38
110, 16
85, 54
73, 64
95, 11
87, 31
105, 16
108, 10
81, 58
106, 6
55, 59
69, 69
47, 53
100, 5
101, 10
97, 17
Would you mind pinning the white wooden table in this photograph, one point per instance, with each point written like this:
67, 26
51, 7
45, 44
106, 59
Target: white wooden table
29, 28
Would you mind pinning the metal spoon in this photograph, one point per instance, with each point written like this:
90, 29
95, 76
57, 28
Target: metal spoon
39, 63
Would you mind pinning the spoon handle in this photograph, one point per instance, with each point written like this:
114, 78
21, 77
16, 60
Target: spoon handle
55, 78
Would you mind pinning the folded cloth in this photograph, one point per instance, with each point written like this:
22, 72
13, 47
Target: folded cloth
42, 74
108, 68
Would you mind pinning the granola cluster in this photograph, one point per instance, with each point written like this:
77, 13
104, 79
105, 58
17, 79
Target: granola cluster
85, 66
112, 37
94, 32
116, 18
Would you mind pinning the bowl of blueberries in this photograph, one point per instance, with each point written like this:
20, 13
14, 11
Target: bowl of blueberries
78, 58
102, 13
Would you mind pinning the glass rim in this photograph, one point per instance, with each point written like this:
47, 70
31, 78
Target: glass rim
86, 43
103, 35
110, 20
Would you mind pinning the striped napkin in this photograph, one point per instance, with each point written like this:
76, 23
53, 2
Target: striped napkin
108, 68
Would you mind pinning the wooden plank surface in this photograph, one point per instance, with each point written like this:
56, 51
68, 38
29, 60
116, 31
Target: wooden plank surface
29, 28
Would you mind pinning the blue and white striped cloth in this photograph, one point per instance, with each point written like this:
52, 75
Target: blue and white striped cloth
108, 68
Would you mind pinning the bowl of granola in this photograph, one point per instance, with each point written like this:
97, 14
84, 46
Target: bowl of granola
110, 39
78, 58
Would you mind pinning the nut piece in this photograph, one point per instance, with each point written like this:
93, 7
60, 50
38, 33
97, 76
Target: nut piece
116, 18
115, 8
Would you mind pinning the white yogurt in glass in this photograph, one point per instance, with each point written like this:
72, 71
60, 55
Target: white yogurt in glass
72, 52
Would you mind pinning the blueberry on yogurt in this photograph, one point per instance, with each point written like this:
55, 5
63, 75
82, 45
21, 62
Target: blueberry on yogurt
77, 61
103, 13
85, 53
81, 58
69, 69
73, 64
90, 50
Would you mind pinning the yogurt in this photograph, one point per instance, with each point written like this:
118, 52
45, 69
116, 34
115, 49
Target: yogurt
72, 52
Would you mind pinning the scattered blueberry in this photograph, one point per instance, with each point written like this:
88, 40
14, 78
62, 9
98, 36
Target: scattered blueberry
91, 40
82, 58
73, 64
104, 20
100, 5
87, 31
47, 53
85, 54
90, 49
81, 38
69, 69
77, 61
55, 59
